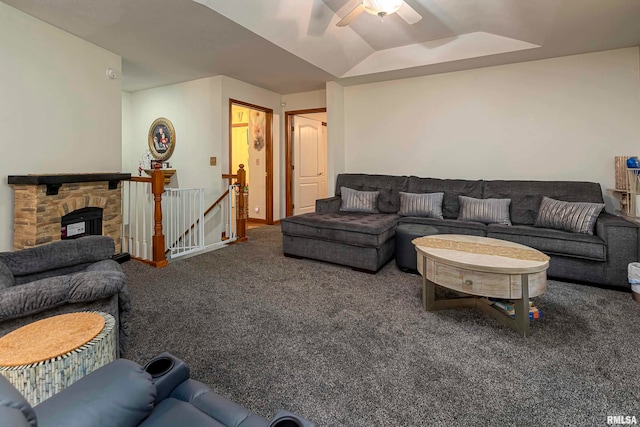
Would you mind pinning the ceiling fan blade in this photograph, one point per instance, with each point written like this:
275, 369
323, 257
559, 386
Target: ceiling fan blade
351, 16
409, 14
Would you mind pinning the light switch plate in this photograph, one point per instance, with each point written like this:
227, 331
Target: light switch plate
212, 161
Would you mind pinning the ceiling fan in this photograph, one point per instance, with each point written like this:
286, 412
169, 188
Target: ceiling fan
382, 8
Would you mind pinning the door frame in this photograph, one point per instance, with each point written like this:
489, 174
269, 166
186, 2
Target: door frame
268, 152
288, 152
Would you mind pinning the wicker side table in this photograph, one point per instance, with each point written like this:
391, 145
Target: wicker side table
44, 357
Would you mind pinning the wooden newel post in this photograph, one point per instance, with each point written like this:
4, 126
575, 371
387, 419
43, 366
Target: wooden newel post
241, 207
157, 188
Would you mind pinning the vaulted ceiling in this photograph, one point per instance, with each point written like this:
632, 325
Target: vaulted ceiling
294, 45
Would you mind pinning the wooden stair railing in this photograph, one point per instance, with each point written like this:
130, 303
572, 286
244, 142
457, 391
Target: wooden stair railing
241, 225
157, 188
241, 208
216, 203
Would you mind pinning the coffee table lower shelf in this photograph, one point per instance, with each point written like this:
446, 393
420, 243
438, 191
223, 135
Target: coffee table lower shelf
519, 323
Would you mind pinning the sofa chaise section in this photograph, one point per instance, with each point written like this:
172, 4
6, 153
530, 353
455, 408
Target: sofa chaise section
363, 241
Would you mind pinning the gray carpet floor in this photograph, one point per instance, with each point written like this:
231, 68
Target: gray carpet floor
344, 348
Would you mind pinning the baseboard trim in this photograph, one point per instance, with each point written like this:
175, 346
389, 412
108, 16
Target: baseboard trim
122, 257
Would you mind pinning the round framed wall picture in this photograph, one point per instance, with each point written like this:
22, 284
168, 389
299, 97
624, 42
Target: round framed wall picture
162, 139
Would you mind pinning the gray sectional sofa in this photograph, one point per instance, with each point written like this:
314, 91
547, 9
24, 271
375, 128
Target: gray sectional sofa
366, 241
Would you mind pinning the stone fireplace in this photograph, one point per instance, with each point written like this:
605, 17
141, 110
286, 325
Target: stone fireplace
41, 201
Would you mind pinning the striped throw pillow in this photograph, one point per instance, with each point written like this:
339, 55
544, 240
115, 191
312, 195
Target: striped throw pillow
358, 201
488, 211
426, 204
577, 217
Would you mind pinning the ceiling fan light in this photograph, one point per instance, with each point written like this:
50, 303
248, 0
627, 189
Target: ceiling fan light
382, 7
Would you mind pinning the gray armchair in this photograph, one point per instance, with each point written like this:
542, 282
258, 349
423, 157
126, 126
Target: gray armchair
63, 277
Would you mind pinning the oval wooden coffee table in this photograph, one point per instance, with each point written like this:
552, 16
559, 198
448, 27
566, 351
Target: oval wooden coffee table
481, 267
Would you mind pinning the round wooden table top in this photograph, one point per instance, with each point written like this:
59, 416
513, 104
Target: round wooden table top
482, 253
49, 338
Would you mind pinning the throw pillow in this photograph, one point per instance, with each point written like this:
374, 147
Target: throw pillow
426, 204
488, 211
578, 217
358, 201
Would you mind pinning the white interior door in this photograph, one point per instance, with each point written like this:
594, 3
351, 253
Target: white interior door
309, 164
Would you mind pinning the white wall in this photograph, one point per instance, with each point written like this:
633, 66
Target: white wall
188, 107
192, 109
305, 100
336, 140
199, 111
563, 118
128, 156
59, 113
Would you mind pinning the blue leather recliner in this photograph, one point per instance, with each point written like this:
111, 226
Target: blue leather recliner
123, 393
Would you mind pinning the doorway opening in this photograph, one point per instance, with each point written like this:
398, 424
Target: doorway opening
251, 144
305, 159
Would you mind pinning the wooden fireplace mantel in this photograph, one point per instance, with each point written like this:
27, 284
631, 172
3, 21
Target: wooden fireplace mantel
41, 200
54, 181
